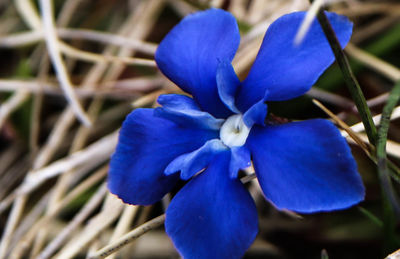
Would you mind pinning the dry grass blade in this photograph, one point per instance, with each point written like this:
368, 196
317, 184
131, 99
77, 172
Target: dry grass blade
351, 133
137, 232
70, 249
359, 127
30, 220
108, 38
331, 98
27, 11
92, 57
12, 104
310, 17
106, 53
374, 63
67, 117
123, 224
89, 207
23, 39
371, 8
122, 89
95, 153
55, 55
11, 225
25, 241
129, 237
375, 28
343, 125
17, 209
110, 212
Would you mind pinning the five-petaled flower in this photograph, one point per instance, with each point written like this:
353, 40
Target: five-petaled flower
301, 166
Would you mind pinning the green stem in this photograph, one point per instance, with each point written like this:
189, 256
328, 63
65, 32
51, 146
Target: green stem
391, 210
349, 78
381, 155
371, 216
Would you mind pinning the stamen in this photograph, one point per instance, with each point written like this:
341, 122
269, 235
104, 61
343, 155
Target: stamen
234, 132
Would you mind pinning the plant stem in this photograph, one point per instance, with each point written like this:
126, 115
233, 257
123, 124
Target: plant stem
349, 78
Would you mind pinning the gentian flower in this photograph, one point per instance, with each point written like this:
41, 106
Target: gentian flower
301, 166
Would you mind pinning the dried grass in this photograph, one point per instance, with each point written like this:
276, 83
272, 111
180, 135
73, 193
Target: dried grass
77, 156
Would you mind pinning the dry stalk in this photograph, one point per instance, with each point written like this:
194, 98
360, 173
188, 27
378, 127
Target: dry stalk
22, 39
376, 64
95, 104
123, 224
13, 103
110, 212
306, 24
84, 213
32, 230
129, 237
94, 154
55, 55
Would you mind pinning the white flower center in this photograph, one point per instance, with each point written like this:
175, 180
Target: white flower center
234, 132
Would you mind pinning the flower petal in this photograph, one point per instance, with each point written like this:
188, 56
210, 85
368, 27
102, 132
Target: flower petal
287, 70
191, 163
256, 114
213, 216
184, 111
240, 159
227, 83
178, 102
305, 166
146, 145
189, 55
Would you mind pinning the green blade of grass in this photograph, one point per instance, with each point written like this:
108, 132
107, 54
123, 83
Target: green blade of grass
391, 210
350, 80
381, 154
371, 216
381, 46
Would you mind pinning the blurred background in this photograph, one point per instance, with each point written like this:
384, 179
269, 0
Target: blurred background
71, 70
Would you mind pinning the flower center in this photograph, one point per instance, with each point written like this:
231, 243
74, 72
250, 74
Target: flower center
234, 132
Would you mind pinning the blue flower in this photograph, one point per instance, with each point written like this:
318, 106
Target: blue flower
301, 166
